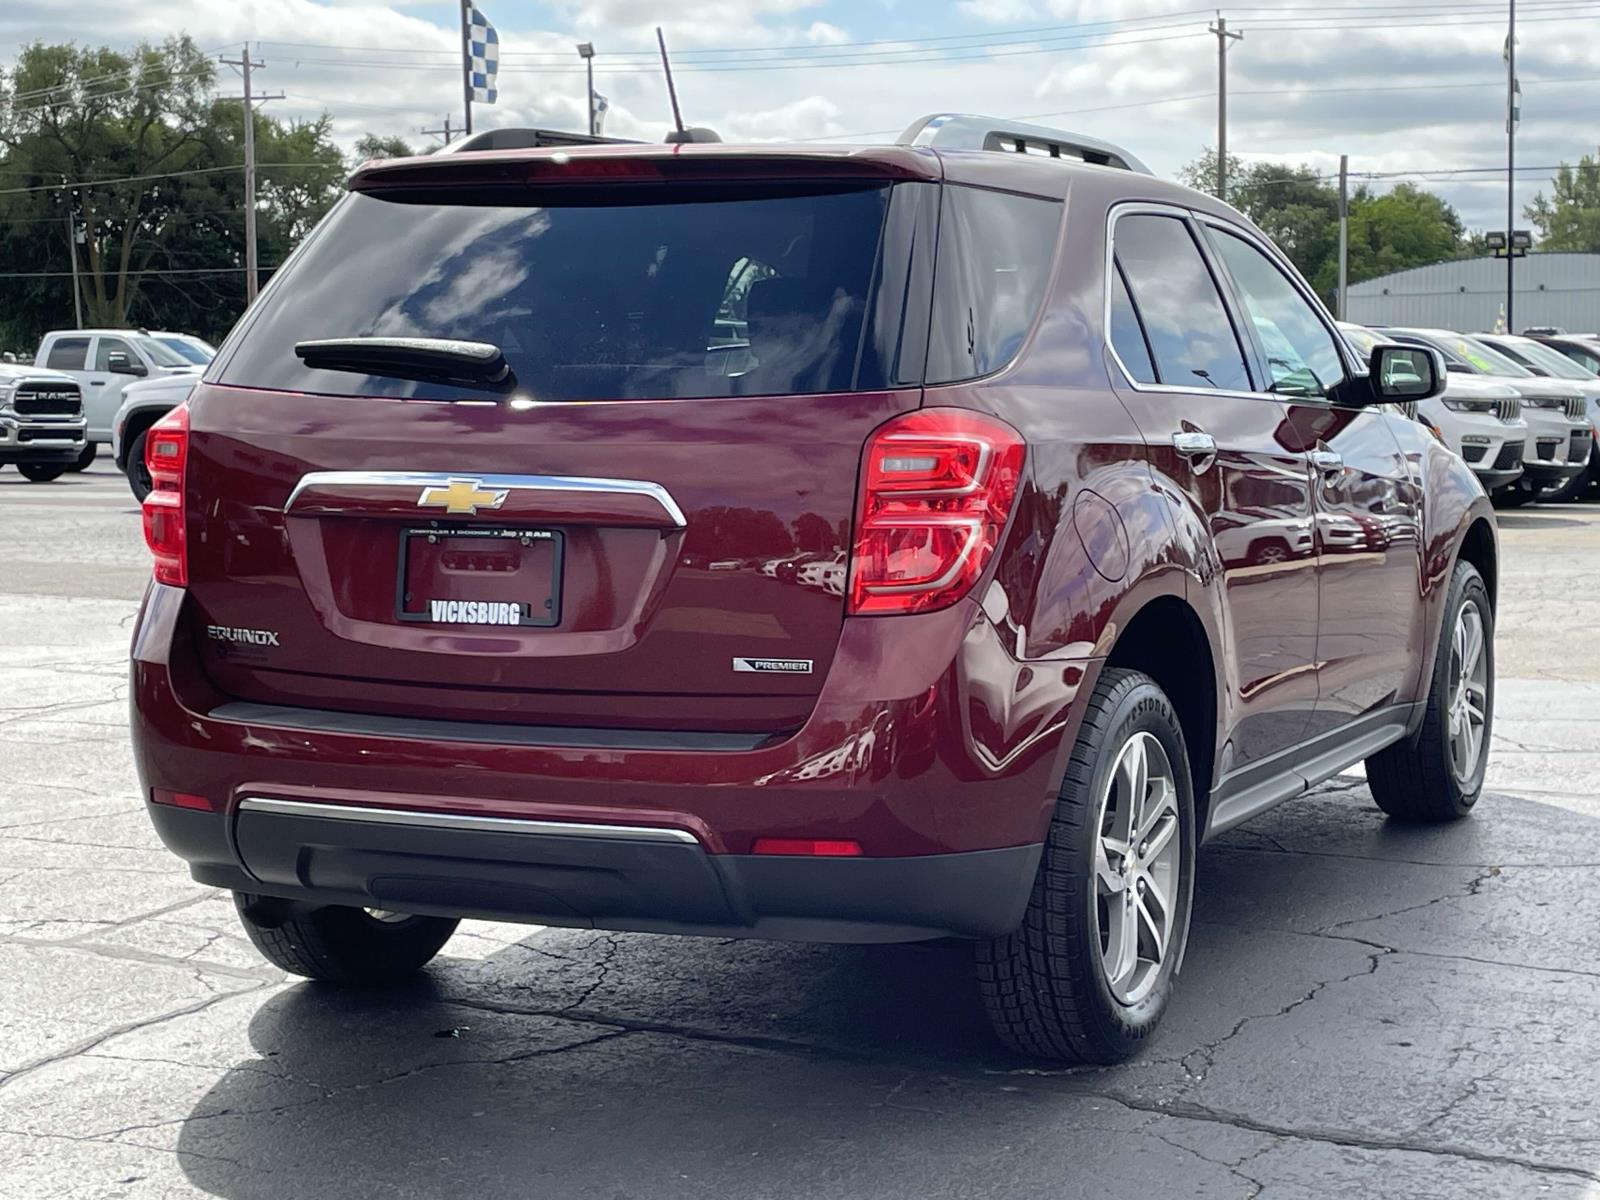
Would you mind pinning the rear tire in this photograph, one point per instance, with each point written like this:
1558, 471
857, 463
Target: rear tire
1427, 778
42, 472
139, 481
343, 945
1053, 988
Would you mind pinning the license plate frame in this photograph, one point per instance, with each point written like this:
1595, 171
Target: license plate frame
540, 612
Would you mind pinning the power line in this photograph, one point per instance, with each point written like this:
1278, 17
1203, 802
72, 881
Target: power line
122, 179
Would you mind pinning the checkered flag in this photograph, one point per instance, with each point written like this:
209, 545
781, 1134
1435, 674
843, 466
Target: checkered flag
483, 54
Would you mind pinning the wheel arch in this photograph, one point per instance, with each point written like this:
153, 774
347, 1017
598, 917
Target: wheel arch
1479, 548
139, 420
1167, 640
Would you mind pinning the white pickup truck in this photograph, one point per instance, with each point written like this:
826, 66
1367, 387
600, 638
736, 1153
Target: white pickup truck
41, 422
104, 361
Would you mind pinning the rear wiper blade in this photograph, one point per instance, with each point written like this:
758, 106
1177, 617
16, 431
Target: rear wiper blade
431, 360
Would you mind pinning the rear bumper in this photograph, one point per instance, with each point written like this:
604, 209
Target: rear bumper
929, 746
594, 876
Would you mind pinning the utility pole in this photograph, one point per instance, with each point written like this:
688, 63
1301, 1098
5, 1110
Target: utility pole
72, 249
586, 52
446, 133
245, 65
1223, 38
1344, 232
1512, 116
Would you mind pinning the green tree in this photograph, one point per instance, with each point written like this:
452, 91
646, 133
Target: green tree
79, 114
374, 145
1299, 209
1570, 218
157, 161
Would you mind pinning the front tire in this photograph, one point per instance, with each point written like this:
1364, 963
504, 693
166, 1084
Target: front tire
1091, 970
41, 472
86, 458
342, 945
1438, 775
139, 481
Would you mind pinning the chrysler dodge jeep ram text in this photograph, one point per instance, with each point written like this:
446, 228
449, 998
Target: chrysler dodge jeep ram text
494, 564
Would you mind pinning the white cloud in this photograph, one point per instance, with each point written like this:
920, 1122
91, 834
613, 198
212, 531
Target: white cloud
997, 11
1278, 108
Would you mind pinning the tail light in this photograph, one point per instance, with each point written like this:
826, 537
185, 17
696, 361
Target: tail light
166, 455
936, 488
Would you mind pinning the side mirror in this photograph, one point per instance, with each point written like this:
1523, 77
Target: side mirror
1401, 373
120, 364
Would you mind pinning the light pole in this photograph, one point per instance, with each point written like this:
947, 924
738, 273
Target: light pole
586, 52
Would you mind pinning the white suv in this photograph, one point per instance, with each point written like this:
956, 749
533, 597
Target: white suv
1548, 361
1559, 438
104, 361
1478, 418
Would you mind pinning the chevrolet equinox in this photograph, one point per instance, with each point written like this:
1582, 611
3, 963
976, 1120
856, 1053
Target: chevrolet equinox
844, 544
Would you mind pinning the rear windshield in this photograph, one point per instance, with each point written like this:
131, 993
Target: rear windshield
699, 298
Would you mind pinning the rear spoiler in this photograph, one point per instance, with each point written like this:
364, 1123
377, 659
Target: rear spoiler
643, 163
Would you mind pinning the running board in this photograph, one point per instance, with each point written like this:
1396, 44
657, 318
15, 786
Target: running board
1250, 791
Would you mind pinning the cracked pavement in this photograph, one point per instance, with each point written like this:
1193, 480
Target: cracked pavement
1366, 1009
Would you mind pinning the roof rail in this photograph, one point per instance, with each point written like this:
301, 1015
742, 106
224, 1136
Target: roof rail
965, 131
523, 139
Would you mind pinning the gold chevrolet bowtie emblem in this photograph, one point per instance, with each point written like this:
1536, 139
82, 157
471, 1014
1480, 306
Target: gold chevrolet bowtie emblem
462, 496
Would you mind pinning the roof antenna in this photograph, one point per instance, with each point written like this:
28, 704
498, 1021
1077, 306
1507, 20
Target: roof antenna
679, 134
672, 92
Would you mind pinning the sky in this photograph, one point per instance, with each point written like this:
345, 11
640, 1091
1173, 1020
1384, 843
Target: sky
1415, 86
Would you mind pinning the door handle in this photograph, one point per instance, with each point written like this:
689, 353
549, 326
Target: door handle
1193, 444
1330, 463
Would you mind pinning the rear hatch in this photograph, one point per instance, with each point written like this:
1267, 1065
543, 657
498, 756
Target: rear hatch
615, 534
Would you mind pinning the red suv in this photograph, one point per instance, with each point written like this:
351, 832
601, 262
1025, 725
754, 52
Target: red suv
854, 544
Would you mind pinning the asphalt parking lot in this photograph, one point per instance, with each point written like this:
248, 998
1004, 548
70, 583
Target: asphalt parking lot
1366, 1009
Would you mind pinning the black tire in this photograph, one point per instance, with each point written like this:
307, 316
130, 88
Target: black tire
1044, 985
1576, 488
87, 457
139, 481
342, 945
42, 472
1514, 495
1416, 779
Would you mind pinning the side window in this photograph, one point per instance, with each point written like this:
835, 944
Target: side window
994, 259
68, 354
1584, 359
1127, 333
106, 347
1302, 357
1191, 338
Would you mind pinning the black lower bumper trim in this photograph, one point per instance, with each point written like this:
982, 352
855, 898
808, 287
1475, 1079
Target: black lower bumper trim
604, 883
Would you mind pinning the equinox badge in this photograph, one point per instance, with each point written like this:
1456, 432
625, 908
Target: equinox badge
462, 496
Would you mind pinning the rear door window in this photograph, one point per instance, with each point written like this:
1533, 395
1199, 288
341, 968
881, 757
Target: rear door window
597, 299
1127, 333
68, 354
995, 254
1190, 335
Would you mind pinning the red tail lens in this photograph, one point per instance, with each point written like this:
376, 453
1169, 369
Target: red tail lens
813, 847
166, 455
182, 800
936, 488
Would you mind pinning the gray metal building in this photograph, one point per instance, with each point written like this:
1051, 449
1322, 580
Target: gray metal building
1469, 295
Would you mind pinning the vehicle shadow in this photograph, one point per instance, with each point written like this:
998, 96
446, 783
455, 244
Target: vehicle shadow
578, 1064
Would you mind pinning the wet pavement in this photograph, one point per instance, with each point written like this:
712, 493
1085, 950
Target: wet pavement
1366, 1009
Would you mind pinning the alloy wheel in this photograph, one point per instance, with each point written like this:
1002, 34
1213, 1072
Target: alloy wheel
1468, 692
1137, 860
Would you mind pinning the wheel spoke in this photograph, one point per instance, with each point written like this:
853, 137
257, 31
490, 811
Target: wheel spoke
1134, 773
1155, 843
1122, 954
1472, 641
1107, 876
1161, 802
1158, 936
